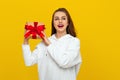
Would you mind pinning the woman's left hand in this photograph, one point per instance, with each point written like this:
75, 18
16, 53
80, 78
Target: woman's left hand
45, 39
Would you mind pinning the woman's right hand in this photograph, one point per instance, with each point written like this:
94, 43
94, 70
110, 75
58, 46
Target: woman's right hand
26, 40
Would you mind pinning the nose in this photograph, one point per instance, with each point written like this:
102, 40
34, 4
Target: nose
60, 20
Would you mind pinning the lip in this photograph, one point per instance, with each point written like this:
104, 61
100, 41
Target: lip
60, 25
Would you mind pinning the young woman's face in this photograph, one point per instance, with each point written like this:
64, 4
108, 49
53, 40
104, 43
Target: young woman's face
60, 21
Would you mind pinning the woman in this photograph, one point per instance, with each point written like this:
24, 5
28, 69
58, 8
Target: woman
58, 57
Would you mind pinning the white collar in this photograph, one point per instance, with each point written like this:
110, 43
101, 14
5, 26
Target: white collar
63, 37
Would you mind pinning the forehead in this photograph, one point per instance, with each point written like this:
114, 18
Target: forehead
59, 14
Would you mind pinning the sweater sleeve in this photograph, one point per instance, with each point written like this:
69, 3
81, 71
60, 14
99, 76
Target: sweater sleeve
65, 58
77, 68
30, 58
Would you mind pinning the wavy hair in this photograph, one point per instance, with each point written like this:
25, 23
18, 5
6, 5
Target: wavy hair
70, 28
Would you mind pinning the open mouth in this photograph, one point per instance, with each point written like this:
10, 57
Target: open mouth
60, 25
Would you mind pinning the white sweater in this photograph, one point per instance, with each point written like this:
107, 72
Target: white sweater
59, 61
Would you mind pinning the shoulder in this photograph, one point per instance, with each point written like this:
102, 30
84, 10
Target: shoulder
74, 42
74, 39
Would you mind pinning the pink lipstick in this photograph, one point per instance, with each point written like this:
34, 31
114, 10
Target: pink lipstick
60, 25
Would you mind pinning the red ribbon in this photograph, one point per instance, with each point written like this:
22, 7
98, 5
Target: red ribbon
34, 30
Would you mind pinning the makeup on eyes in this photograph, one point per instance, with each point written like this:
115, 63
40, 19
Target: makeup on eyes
62, 18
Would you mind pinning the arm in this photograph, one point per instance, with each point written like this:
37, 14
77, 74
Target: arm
30, 58
65, 58
77, 68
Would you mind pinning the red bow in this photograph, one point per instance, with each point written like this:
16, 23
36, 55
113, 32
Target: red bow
34, 30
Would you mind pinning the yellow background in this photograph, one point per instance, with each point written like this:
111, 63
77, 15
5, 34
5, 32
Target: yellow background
97, 24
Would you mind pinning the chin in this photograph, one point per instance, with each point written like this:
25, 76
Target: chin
60, 30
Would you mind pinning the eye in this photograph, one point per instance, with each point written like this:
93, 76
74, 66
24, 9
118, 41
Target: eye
63, 18
56, 18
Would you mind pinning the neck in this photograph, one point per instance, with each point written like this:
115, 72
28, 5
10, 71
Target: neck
60, 34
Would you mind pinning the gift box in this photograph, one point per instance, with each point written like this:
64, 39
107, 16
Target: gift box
34, 30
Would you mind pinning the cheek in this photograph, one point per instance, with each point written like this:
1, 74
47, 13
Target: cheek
55, 24
66, 23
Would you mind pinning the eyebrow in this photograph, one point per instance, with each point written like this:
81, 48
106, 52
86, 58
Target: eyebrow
62, 16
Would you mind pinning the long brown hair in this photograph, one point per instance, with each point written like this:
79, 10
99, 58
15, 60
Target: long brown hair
70, 28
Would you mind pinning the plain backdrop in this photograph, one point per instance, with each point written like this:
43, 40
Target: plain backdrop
97, 24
